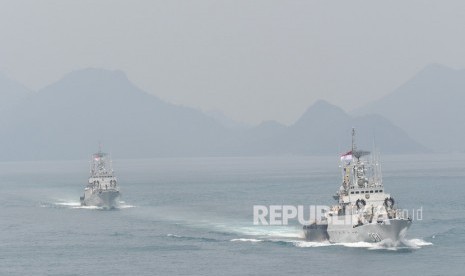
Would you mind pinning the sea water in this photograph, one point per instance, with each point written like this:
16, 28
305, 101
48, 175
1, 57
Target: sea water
194, 216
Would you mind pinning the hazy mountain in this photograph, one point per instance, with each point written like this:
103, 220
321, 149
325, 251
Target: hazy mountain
226, 121
327, 128
323, 129
11, 92
69, 118
264, 139
430, 107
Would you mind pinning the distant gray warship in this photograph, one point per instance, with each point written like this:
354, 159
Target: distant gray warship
102, 188
364, 213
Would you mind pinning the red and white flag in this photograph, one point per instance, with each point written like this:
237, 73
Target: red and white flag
346, 156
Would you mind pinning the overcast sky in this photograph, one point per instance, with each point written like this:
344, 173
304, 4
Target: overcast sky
253, 60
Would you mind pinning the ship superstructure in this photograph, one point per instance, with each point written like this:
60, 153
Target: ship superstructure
102, 189
364, 211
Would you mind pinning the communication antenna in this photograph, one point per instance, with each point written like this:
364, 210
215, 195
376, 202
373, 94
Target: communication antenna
354, 148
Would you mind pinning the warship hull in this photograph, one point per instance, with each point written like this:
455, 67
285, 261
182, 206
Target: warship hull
316, 232
364, 212
393, 230
105, 199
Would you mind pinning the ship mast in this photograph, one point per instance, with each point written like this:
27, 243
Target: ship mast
353, 141
355, 153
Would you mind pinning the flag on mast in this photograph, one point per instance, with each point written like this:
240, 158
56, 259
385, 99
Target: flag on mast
347, 156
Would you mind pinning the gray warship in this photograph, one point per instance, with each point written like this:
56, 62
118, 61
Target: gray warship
364, 212
102, 189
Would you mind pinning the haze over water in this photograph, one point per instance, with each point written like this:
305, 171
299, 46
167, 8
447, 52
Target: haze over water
193, 216
262, 88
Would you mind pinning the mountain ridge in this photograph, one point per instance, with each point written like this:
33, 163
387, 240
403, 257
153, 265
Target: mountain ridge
429, 106
11, 92
68, 118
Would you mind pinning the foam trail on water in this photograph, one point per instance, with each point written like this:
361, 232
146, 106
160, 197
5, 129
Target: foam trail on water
389, 245
89, 207
294, 236
269, 232
77, 205
74, 205
310, 244
416, 243
279, 234
383, 245
246, 240
290, 235
70, 204
123, 205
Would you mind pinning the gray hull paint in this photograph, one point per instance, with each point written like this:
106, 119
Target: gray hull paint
105, 199
393, 230
364, 211
316, 232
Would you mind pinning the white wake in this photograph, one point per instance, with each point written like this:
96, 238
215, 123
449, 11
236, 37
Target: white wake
77, 205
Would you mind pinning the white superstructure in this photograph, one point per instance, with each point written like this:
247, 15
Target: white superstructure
365, 212
102, 188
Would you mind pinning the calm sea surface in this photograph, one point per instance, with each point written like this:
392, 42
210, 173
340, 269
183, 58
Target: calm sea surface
194, 217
